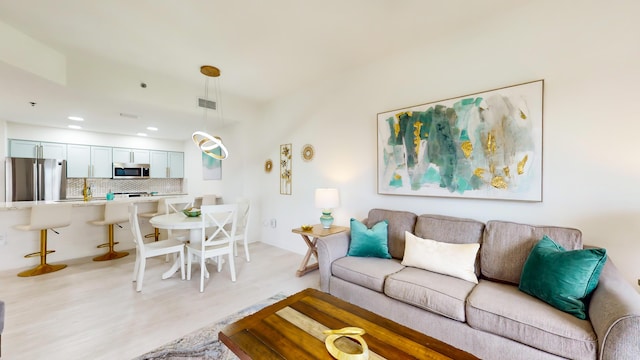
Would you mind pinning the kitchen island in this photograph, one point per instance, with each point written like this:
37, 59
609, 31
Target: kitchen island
78, 240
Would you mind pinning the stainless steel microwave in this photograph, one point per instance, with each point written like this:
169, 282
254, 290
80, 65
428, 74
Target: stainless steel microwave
130, 171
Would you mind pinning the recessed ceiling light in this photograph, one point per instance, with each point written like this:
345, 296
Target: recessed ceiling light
75, 118
142, 134
152, 128
76, 127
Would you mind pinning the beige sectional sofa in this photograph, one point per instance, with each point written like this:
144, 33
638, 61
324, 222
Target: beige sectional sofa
492, 319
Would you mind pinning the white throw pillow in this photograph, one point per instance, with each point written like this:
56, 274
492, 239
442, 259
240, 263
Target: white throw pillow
455, 260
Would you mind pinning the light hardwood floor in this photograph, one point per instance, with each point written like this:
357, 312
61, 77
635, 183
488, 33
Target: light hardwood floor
90, 310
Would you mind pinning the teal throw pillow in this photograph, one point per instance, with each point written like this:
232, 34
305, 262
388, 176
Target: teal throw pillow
563, 279
369, 242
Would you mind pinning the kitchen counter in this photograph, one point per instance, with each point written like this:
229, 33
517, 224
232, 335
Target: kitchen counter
78, 240
79, 202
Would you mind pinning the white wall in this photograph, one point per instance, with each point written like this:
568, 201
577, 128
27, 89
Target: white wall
587, 55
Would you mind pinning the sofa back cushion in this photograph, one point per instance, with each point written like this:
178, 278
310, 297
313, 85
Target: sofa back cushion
453, 230
506, 246
399, 222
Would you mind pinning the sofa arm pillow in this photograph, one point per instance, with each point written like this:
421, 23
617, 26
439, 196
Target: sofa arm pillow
457, 260
561, 278
367, 242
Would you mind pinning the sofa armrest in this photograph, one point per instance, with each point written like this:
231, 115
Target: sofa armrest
614, 311
331, 248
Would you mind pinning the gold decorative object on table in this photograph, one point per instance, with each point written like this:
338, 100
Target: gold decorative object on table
308, 152
355, 352
306, 227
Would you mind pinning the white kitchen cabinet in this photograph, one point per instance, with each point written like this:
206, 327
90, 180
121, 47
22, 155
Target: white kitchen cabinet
37, 149
133, 156
89, 161
101, 162
167, 164
158, 164
176, 165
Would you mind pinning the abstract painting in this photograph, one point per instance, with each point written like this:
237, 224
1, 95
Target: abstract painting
486, 145
212, 168
285, 169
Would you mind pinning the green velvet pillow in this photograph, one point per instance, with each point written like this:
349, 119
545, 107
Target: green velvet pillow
561, 278
369, 242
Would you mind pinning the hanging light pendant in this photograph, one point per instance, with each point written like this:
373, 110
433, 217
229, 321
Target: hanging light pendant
204, 141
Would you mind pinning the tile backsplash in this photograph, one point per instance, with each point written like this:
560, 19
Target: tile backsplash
100, 187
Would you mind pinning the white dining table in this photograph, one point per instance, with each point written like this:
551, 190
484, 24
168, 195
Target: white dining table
180, 221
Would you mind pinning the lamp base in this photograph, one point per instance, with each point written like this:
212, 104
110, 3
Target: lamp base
326, 219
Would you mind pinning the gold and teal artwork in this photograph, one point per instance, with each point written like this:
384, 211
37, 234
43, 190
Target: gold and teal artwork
211, 168
486, 145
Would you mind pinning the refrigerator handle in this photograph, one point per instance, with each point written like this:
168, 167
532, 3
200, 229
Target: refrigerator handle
35, 180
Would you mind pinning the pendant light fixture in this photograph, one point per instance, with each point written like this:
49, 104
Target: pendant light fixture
204, 141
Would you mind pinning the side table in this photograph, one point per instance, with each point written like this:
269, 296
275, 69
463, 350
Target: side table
317, 232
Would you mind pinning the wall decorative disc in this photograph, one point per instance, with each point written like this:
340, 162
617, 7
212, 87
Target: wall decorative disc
308, 152
268, 165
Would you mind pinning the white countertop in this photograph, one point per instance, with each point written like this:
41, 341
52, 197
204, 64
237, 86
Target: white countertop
20, 205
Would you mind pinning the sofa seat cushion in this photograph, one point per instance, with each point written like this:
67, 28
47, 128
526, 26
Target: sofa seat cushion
367, 272
440, 294
504, 310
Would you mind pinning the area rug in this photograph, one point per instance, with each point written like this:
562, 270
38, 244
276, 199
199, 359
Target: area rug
204, 343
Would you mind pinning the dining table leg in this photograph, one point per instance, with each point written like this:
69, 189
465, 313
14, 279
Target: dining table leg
195, 237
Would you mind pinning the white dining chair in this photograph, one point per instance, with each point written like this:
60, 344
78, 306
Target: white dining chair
218, 243
151, 249
244, 207
177, 204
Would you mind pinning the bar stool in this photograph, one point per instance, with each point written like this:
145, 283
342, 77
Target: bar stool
114, 212
209, 199
44, 217
160, 210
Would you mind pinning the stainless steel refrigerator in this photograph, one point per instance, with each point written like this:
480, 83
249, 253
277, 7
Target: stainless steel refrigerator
35, 179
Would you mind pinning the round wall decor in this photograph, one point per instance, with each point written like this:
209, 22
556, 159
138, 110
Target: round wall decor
308, 152
268, 165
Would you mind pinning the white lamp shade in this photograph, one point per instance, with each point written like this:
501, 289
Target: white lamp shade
327, 198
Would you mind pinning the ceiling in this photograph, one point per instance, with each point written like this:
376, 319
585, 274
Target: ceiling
264, 48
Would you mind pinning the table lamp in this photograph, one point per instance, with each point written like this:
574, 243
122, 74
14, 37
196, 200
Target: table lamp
327, 199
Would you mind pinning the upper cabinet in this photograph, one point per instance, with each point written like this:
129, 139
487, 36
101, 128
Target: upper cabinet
37, 149
158, 164
133, 156
89, 161
176, 165
165, 164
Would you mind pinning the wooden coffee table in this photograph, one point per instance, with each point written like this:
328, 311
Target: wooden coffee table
292, 329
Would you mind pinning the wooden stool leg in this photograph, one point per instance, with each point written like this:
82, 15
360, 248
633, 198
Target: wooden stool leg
112, 254
43, 268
